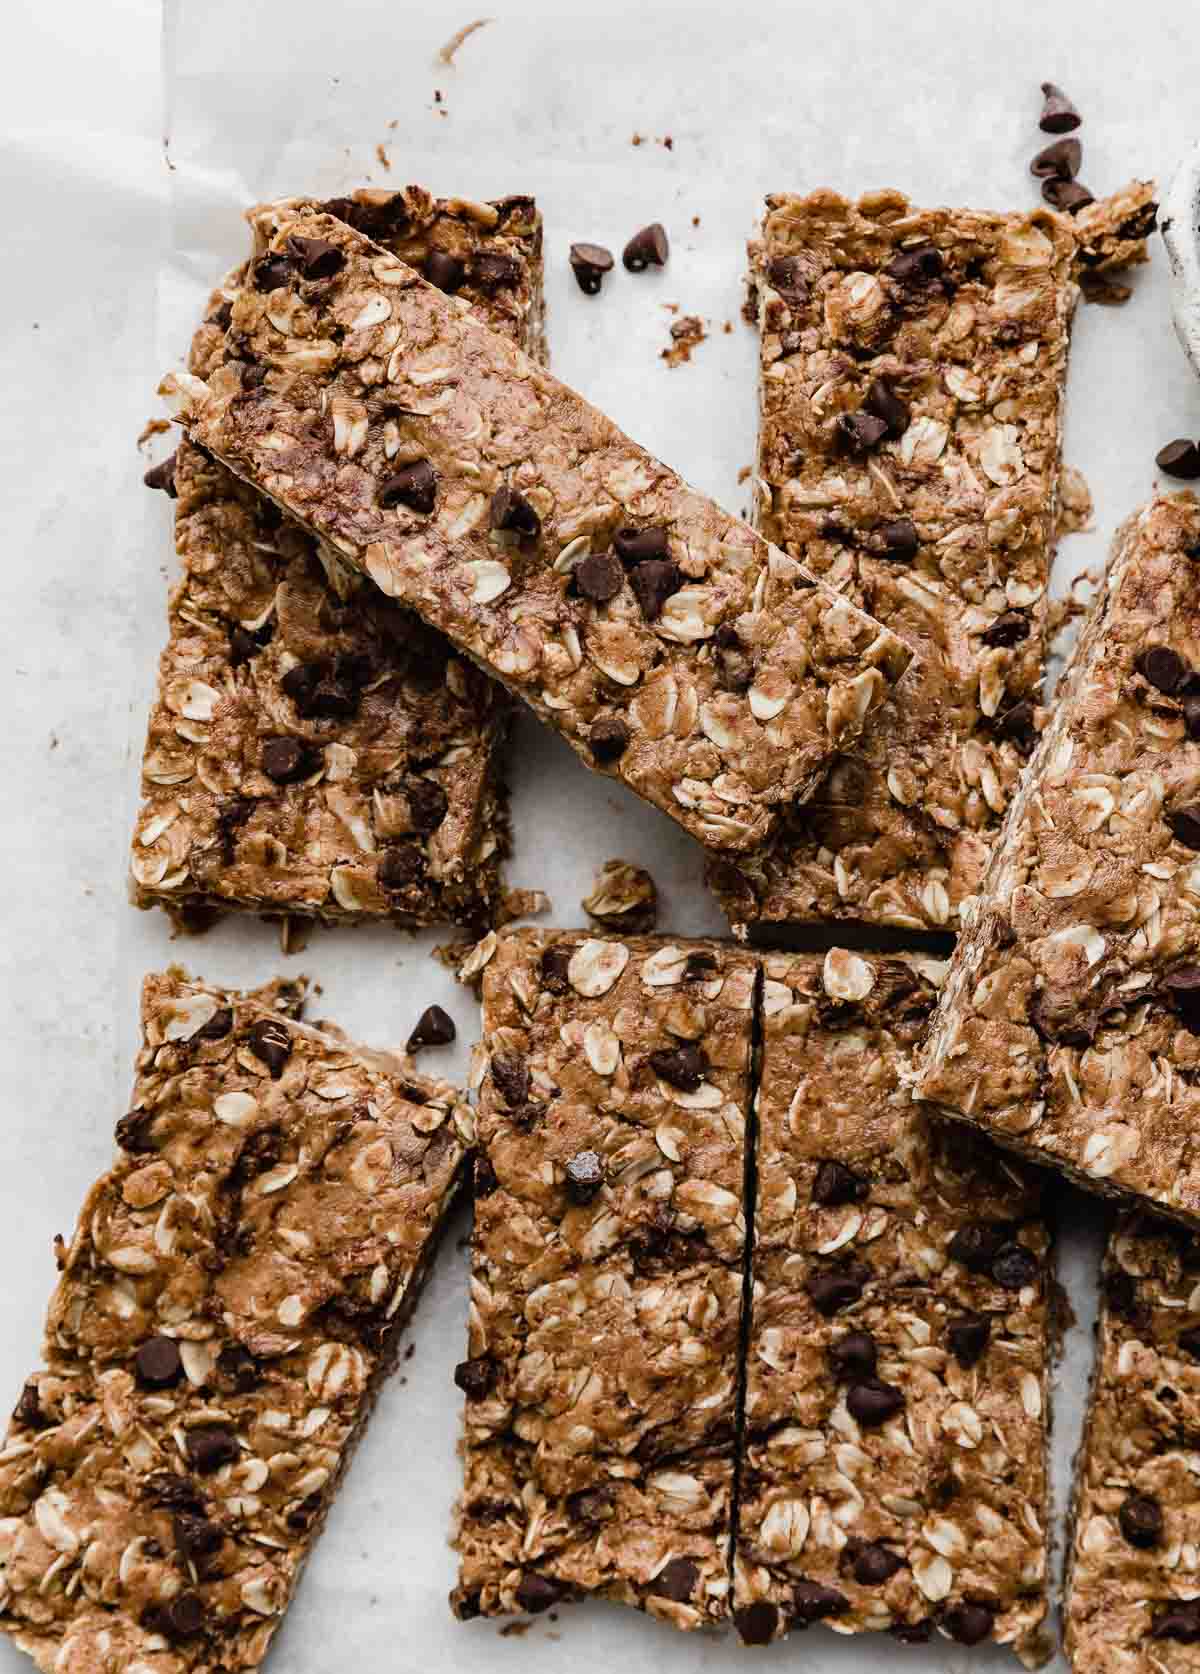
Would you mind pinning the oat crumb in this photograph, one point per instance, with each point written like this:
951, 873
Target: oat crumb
383, 156
446, 53
687, 333
152, 427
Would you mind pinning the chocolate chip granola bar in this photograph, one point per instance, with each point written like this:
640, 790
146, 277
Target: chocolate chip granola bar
1069, 1026
606, 1286
309, 753
229, 1302
893, 1471
670, 645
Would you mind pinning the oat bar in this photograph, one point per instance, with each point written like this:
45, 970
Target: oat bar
312, 754
1133, 1597
670, 645
1069, 1027
894, 1461
229, 1302
912, 372
602, 1369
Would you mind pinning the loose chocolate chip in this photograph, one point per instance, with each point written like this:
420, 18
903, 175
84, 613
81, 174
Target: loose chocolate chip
1014, 1266
676, 1580
976, 1245
647, 248
414, 486
860, 432
683, 1066
535, 1593
1179, 458
1180, 1621
491, 270
873, 1402
813, 1602
1068, 195
402, 866
917, 265
288, 760
445, 271
969, 1624
197, 1537
510, 1077
900, 540
1009, 628
434, 1027
272, 272
1059, 115
853, 1356
885, 404
609, 738
511, 510
157, 1362
1060, 159
833, 1291
756, 1623
913, 1633
834, 1183
968, 1336
476, 1378
584, 1176
1141, 1520
163, 476
1184, 824
427, 804
634, 546
218, 1025
1162, 667
589, 264
554, 964
653, 584
599, 577
271, 1044
873, 1564
28, 1410
483, 1178
786, 273
318, 258
210, 1447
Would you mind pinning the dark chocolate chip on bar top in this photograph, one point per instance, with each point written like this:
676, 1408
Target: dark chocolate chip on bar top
316, 258
510, 1073
584, 1174
654, 582
414, 486
835, 1183
210, 1446
599, 576
288, 760
633, 546
608, 738
967, 1337
683, 1066
476, 1377
882, 401
512, 511
1070, 196
853, 1356
1162, 667
872, 1402
1141, 1520
158, 1362
271, 1043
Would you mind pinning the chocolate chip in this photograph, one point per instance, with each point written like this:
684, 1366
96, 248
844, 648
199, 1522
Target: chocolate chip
917, 265
1141, 1520
493, 269
872, 1402
272, 273
589, 264
157, 1362
834, 1183
28, 1410
1184, 824
535, 1593
445, 271
813, 1602
319, 693
133, 1132
434, 1027
1179, 458
967, 1336
1068, 195
833, 1291
218, 1025
483, 1178
653, 583
511, 510
609, 738
873, 1564
1009, 628
163, 476
860, 432
1191, 717
853, 1356
599, 576
237, 1368
591, 1505
1014, 1266
427, 804
700, 965
210, 1447
1017, 725
1120, 1292
648, 248
271, 1044
634, 546
900, 540
554, 965
787, 274
246, 643
756, 1623
913, 1633
288, 760
414, 486
197, 1537
584, 1176
181, 1617
401, 867
1059, 115
1188, 1340
318, 258
969, 1624
976, 1245
676, 1580
885, 404
683, 1066
1180, 1621
476, 1378
510, 1077
1061, 159
1162, 667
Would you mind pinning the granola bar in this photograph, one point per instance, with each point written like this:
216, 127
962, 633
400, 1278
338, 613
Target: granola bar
893, 1469
670, 645
1132, 1597
1069, 1027
308, 753
606, 1284
230, 1300
912, 372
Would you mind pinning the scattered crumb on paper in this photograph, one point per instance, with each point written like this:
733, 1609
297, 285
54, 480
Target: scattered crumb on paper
446, 54
1074, 502
687, 333
153, 427
383, 156
623, 897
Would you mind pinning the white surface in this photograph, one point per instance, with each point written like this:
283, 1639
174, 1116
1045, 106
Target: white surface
274, 97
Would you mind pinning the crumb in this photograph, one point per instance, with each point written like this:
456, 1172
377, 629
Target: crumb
410, 1351
294, 933
623, 898
383, 157
60, 1251
437, 95
36, 326
515, 1630
667, 142
446, 53
1074, 502
671, 307
687, 333
750, 304
695, 220
461, 1244
745, 473
636, 140
394, 123
152, 427
167, 152
54, 741
521, 903
403, 1380
727, 328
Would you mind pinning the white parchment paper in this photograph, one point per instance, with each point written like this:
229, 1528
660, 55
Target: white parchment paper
125, 175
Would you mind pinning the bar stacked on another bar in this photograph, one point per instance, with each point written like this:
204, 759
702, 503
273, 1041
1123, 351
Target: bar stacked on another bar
230, 1300
669, 644
1069, 1026
893, 1471
606, 1280
913, 363
309, 753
